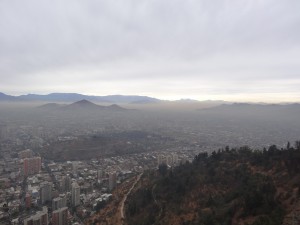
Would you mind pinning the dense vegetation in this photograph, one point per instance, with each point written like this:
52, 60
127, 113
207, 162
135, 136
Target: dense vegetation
231, 186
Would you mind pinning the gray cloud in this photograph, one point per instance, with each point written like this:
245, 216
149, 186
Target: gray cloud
167, 49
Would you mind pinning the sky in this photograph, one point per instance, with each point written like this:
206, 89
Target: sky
237, 50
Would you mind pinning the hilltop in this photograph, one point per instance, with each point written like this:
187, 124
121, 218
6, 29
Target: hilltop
231, 186
79, 106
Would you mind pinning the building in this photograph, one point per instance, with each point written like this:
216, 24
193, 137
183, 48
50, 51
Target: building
59, 202
75, 167
40, 218
31, 166
75, 195
112, 181
65, 184
45, 192
25, 154
28, 200
100, 174
175, 159
160, 159
169, 160
60, 216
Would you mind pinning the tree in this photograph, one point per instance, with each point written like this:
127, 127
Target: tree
163, 169
297, 145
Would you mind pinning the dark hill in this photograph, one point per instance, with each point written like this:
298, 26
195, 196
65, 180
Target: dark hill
83, 104
87, 106
115, 107
232, 186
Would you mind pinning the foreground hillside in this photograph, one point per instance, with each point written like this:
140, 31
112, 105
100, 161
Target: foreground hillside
232, 186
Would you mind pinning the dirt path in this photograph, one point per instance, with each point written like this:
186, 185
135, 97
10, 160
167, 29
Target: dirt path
122, 211
112, 213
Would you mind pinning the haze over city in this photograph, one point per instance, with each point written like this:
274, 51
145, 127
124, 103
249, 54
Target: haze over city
173, 112
235, 50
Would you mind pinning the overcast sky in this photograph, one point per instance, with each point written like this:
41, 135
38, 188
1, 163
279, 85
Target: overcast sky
236, 50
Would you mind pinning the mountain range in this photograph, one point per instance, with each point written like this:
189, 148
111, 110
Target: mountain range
72, 97
136, 99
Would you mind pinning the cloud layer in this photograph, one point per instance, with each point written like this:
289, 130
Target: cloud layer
221, 49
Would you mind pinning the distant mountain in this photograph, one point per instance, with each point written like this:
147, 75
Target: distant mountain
60, 97
130, 99
71, 97
146, 101
4, 97
187, 100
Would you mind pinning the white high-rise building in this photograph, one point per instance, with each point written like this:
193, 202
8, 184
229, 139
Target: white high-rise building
100, 174
169, 160
59, 202
75, 167
175, 159
75, 194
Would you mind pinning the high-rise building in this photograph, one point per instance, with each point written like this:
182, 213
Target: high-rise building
25, 154
45, 192
169, 160
100, 174
60, 216
112, 181
75, 195
31, 166
59, 202
160, 159
65, 184
175, 159
74, 167
28, 200
40, 218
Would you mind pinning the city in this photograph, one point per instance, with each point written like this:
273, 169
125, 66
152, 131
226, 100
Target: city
150, 112
68, 193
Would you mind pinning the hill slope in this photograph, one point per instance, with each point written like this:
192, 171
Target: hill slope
237, 186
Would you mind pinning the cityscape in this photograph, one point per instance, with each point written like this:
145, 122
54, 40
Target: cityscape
35, 190
150, 112
66, 167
